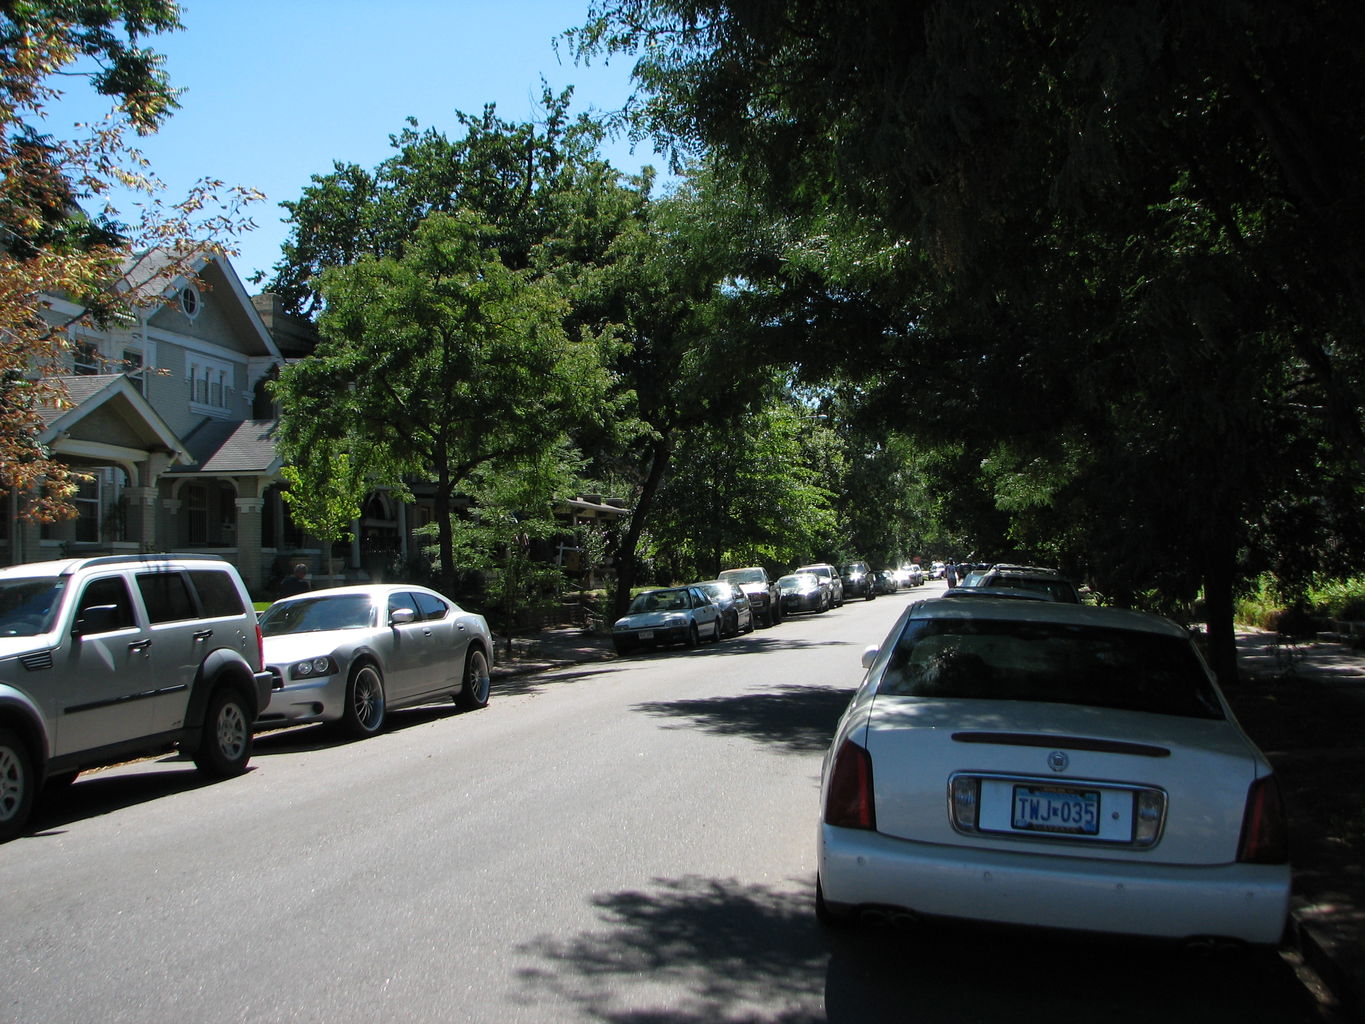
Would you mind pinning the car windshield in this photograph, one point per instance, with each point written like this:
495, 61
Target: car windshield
743, 575
804, 581
659, 601
1050, 662
718, 591
317, 614
28, 605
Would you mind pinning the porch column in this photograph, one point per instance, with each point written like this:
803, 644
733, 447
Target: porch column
171, 541
141, 525
249, 542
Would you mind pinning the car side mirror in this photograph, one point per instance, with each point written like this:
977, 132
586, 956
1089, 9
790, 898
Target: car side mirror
870, 655
98, 618
401, 615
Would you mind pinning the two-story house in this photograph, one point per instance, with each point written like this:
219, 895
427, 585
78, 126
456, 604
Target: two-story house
168, 421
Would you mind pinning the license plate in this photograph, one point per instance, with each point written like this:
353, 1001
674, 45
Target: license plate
1050, 809
646, 634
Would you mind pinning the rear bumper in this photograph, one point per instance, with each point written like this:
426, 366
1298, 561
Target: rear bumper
1247, 902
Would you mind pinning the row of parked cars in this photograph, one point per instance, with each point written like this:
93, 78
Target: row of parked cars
738, 601
109, 658
1016, 756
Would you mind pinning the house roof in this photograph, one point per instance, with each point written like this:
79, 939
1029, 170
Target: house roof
231, 448
157, 275
87, 393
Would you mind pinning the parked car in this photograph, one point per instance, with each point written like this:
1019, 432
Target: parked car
937, 569
1095, 779
735, 614
914, 576
109, 658
764, 599
829, 577
804, 592
1047, 581
670, 615
885, 581
349, 655
857, 580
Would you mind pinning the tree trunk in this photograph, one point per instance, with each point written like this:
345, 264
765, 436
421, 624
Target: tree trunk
660, 453
445, 540
1218, 615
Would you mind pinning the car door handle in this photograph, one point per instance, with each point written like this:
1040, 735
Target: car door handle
203, 634
139, 645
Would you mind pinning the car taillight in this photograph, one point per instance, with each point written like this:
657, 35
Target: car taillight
1265, 838
849, 803
260, 646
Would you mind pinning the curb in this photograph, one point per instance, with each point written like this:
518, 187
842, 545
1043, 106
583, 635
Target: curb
1317, 950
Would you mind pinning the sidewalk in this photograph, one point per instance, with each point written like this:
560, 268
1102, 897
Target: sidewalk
1303, 704
551, 647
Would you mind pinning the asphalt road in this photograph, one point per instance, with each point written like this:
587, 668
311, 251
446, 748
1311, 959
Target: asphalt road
630, 841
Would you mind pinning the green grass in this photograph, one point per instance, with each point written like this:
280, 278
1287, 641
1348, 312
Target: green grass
1269, 608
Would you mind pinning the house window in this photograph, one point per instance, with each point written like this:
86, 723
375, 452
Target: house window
190, 303
87, 503
210, 384
132, 360
85, 358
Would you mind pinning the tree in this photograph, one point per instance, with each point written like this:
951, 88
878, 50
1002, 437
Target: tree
327, 503
435, 365
743, 490
540, 187
1131, 227
49, 246
510, 510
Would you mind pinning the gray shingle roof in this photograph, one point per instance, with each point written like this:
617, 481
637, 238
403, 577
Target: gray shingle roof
221, 447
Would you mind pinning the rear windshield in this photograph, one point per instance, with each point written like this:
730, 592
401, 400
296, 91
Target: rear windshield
1048, 662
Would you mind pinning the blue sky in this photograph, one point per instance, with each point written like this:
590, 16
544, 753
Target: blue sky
276, 91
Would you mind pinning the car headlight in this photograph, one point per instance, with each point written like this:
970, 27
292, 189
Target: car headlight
313, 668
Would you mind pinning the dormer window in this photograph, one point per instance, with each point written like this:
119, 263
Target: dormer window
190, 302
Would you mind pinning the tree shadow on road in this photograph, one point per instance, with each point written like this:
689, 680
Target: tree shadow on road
723, 952
794, 719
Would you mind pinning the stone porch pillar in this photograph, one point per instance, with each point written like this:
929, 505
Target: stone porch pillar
141, 524
249, 542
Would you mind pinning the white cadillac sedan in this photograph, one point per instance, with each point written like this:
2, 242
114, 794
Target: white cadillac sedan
1050, 765
349, 654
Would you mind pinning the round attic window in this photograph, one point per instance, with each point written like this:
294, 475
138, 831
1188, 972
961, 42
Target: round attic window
190, 301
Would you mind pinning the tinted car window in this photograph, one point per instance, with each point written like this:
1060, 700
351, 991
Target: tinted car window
110, 591
27, 606
429, 606
166, 596
1049, 662
403, 600
217, 593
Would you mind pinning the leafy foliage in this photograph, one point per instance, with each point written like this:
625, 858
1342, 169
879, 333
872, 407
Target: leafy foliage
435, 365
49, 246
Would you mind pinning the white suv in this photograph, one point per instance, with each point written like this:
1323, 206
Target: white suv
104, 659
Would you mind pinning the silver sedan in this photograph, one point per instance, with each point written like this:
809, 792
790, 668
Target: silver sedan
349, 654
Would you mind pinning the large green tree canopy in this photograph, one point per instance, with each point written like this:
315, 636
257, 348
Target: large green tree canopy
1119, 240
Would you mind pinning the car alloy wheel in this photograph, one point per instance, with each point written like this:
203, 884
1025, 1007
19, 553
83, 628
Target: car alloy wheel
365, 702
477, 682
